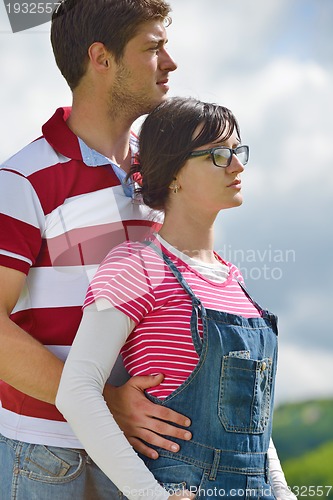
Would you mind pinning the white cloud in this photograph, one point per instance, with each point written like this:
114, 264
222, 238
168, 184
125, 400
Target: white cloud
31, 87
303, 374
236, 53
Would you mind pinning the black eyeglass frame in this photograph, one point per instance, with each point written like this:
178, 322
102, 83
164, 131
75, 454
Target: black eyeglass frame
233, 151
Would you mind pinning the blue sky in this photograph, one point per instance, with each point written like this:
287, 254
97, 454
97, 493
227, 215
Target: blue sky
271, 62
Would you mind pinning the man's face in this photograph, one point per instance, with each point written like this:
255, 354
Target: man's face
141, 78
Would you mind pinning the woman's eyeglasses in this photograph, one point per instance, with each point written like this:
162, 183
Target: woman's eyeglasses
222, 155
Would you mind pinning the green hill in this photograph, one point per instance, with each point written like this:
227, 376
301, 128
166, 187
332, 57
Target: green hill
303, 436
302, 427
313, 469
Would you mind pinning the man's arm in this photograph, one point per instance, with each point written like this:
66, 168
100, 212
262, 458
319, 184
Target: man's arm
29, 367
24, 363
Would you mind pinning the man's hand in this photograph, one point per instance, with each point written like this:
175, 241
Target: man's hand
141, 420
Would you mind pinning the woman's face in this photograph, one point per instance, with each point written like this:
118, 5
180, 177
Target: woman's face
204, 187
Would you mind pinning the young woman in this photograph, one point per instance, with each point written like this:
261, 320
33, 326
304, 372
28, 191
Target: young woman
171, 305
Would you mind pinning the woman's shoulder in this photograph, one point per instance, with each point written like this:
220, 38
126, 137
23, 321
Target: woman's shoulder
124, 250
234, 271
127, 256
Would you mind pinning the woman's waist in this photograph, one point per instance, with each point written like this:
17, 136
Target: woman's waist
251, 461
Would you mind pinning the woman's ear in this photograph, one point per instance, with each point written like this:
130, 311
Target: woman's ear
174, 186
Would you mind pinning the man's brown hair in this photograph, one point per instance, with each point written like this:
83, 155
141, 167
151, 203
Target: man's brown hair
77, 24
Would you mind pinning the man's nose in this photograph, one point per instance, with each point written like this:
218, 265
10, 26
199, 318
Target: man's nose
166, 62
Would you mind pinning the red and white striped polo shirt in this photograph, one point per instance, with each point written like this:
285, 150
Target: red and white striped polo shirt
59, 218
134, 279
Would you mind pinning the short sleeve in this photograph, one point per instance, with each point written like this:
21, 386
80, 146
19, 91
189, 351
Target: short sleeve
22, 221
126, 280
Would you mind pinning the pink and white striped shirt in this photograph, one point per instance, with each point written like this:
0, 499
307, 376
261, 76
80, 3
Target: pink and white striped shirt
135, 280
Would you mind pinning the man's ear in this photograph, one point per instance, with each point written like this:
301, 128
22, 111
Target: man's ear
100, 58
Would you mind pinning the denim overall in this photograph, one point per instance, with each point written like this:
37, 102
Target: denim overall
229, 398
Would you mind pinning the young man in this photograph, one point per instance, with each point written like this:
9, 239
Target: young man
64, 203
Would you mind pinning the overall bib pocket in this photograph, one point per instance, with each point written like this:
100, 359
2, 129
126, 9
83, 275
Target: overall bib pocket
245, 393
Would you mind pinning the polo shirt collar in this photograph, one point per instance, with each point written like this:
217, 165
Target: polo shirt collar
62, 139
59, 135
93, 158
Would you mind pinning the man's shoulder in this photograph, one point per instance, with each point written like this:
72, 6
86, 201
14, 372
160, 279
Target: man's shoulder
33, 157
41, 153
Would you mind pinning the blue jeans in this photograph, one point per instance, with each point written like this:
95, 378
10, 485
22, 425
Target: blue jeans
37, 472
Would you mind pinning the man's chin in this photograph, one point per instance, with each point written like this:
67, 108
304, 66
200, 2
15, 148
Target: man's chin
156, 103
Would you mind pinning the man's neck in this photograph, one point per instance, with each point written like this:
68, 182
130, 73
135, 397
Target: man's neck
100, 132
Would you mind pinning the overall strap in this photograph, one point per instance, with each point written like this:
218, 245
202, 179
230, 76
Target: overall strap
177, 274
198, 310
251, 299
263, 312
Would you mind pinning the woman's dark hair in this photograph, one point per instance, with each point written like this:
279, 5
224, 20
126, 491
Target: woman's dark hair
77, 24
169, 134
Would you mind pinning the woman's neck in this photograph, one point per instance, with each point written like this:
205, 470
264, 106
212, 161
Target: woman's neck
191, 236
